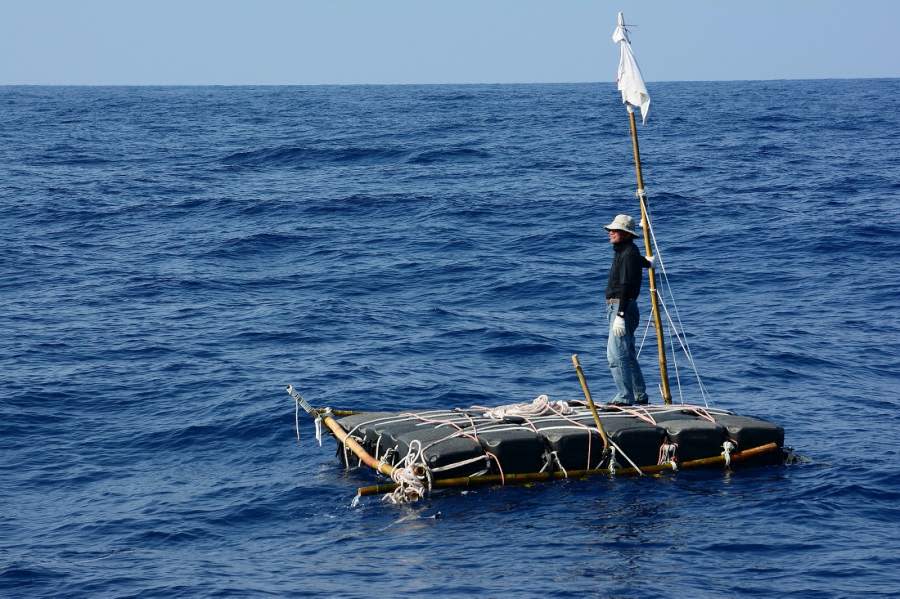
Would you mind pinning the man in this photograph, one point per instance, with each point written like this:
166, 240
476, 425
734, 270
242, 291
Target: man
622, 290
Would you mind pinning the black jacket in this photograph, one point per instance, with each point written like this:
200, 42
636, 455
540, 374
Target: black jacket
625, 274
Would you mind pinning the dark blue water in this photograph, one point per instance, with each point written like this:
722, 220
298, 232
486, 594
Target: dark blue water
172, 257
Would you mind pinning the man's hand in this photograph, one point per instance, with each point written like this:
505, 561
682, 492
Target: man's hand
650, 259
618, 327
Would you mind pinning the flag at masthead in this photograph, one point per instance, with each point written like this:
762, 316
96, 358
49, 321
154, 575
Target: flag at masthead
629, 78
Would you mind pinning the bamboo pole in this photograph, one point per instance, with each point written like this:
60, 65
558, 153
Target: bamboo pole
340, 413
356, 448
590, 401
654, 302
468, 481
340, 433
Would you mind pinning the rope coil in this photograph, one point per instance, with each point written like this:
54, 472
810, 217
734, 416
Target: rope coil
539, 406
411, 485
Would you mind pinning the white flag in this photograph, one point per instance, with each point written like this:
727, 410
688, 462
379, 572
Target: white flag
629, 78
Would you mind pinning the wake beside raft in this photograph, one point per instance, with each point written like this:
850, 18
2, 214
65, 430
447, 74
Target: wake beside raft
466, 447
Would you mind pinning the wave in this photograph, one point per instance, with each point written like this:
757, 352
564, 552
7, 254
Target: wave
20, 576
520, 349
304, 157
258, 242
448, 155
308, 157
448, 97
65, 155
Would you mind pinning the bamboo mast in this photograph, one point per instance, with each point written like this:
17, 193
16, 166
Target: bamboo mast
648, 249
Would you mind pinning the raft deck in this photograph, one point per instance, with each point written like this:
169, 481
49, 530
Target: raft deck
468, 443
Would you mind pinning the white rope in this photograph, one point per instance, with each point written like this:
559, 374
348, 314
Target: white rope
319, 429
728, 446
548, 461
346, 451
682, 339
683, 342
414, 478
624, 455
446, 467
410, 486
703, 413
297, 418
675, 363
667, 454
590, 430
644, 338
553, 455
350, 435
459, 432
539, 406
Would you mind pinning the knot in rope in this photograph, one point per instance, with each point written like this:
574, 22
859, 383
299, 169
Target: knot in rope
411, 476
613, 464
319, 417
550, 458
728, 447
668, 455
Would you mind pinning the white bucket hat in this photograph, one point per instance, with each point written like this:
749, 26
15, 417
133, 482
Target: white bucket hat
622, 222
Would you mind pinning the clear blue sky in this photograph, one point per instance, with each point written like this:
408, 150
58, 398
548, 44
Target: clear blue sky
125, 42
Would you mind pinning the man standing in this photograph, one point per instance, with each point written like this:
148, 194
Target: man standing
622, 290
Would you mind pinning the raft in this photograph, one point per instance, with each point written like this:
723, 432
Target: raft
544, 440
463, 447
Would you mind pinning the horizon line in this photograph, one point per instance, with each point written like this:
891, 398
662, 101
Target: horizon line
410, 84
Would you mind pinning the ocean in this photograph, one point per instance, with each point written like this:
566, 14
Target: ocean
172, 257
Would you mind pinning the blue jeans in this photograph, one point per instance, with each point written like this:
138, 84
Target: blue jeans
622, 357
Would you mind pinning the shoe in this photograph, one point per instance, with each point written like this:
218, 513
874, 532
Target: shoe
617, 403
641, 402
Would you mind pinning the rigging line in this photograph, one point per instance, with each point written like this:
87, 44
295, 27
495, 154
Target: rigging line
674, 330
682, 340
685, 346
681, 337
662, 267
680, 327
675, 363
665, 275
673, 333
643, 339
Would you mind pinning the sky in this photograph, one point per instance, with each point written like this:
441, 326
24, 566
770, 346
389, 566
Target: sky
229, 42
